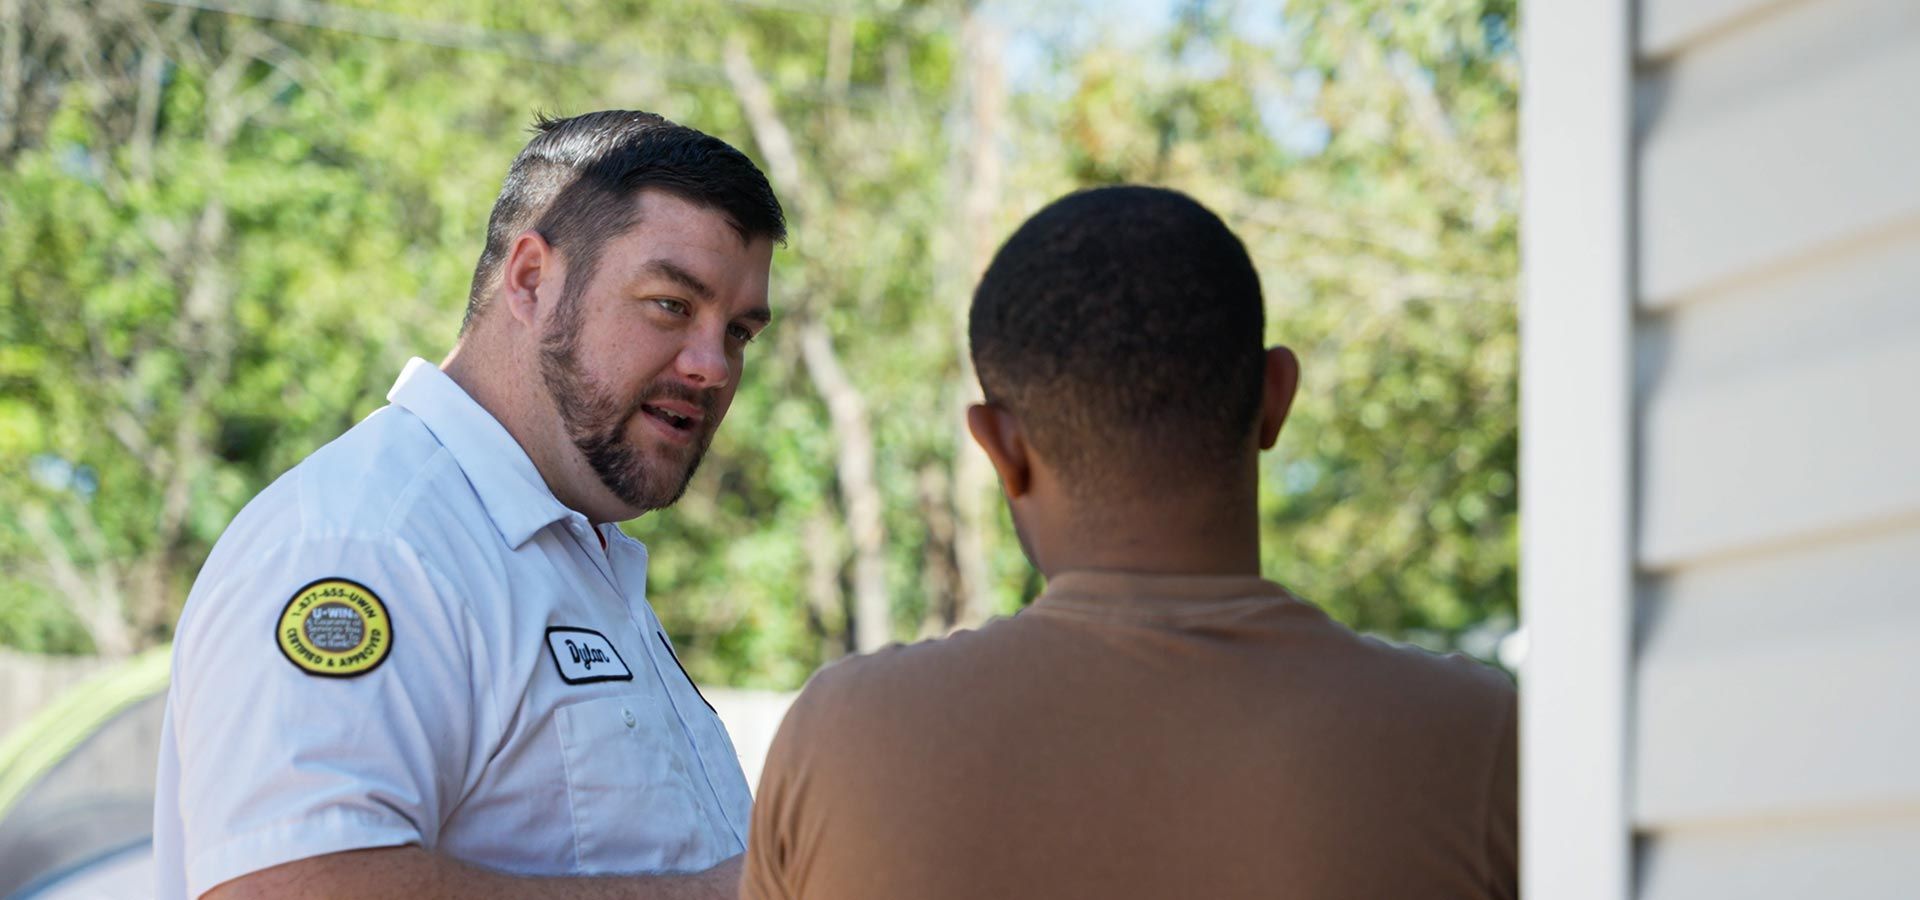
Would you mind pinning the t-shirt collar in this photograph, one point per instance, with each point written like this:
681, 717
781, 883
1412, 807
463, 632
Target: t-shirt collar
510, 487
1109, 591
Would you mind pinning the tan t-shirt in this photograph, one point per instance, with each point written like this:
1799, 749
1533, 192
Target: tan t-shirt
1130, 736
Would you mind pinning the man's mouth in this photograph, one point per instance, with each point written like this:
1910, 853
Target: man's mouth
675, 420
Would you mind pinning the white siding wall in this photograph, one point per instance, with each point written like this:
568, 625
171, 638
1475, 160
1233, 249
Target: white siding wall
1774, 726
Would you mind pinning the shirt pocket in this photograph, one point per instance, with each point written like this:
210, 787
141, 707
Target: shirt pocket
631, 789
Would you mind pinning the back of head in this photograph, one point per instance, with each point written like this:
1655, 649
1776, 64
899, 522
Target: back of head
1123, 326
575, 183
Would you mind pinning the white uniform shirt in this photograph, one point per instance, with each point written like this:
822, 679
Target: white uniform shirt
520, 708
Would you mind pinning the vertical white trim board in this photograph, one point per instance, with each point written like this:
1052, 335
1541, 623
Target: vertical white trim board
1575, 450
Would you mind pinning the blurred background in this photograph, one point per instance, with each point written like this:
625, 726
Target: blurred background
226, 224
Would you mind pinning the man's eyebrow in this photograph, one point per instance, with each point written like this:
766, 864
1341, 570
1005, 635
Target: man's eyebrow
672, 271
759, 314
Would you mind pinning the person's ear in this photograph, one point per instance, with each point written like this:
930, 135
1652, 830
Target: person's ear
1279, 382
531, 262
998, 432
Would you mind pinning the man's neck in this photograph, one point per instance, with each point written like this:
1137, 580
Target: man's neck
1218, 535
483, 367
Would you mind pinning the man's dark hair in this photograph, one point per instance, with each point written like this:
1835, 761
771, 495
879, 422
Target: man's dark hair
1123, 325
575, 182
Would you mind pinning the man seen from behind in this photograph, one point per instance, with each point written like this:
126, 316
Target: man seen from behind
1161, 721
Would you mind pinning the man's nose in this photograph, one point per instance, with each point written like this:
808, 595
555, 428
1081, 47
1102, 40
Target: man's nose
703, 361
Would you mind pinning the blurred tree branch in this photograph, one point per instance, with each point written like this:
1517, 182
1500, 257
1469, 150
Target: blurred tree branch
846, 406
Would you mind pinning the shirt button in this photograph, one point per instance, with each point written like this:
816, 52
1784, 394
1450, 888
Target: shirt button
627, 714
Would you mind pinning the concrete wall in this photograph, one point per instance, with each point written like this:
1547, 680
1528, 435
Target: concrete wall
28, 681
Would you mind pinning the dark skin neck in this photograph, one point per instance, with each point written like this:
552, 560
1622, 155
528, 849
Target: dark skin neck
1192, 528
1148, 516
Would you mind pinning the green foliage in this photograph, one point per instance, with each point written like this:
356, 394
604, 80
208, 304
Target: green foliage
1393, 497
221, 237
1366, 154
33, 619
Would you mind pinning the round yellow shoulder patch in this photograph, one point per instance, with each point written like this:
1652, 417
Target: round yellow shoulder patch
335, 628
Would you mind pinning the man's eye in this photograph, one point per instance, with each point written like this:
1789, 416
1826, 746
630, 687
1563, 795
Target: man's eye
676, 307
740, 333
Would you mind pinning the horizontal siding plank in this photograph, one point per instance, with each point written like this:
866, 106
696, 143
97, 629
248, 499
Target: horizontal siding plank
1782, 408
1757, 425
1804, 449
1782, 685
1841, 301
1852, 860
1668, 25
1797, 134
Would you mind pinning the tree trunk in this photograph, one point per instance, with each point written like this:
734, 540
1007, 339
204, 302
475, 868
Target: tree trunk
972, 475
859, 491
846, 405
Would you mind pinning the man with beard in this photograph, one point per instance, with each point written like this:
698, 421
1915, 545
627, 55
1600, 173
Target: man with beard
422, 663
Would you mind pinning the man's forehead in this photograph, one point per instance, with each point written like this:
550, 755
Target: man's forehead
665, 210
676, 240
680, 243
702, 266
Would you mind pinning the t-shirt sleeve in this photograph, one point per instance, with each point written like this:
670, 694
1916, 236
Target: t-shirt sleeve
1503, 808
764, 875
323, 701
774, 838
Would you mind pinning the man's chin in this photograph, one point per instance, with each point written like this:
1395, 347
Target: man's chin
646, 499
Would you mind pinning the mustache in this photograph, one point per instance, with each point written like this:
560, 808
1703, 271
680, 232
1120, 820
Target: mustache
708, 399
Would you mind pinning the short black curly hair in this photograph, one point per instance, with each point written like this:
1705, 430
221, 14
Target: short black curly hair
1124, 326
576, 180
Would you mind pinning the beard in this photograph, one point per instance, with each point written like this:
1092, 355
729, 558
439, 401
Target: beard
596, 421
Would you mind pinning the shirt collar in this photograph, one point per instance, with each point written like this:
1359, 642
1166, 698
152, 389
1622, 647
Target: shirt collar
1107, 592
516, 497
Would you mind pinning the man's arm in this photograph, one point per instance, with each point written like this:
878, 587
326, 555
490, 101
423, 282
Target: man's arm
415, 874
777, 843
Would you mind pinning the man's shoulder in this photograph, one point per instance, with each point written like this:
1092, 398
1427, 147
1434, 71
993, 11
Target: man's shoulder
928, 662
368, 481
382, 507
1431, 672
386, 480
894, 684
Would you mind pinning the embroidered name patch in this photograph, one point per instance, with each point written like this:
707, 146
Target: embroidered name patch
585, 656
335, 628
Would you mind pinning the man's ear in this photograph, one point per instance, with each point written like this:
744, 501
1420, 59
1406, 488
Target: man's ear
531, 262
1279, 382
998, 432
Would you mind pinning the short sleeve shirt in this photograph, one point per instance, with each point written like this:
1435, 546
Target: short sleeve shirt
1132, 735
407, 639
